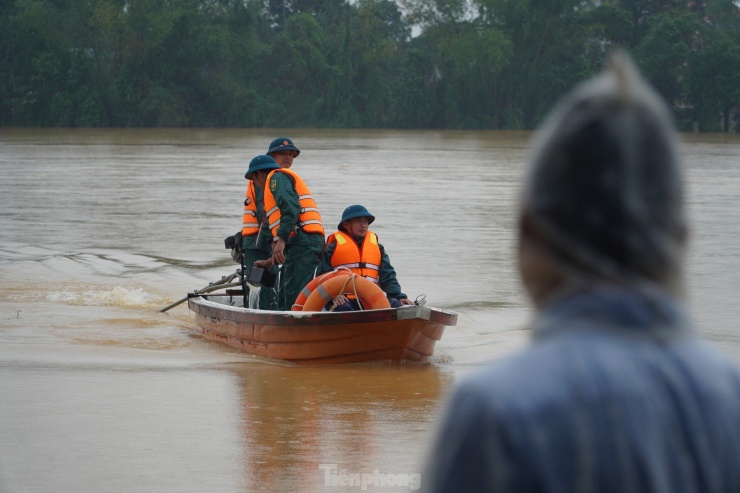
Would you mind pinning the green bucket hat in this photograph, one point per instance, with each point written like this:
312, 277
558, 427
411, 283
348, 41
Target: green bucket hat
259, 163
354, 211
283, 144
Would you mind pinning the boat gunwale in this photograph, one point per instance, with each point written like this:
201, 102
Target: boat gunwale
200, 304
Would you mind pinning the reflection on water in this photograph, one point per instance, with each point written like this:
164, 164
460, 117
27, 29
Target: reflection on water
294, 420
117, 424
102, 228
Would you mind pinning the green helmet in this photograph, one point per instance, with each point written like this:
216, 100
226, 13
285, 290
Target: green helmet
354, 211
259, 163
283, 144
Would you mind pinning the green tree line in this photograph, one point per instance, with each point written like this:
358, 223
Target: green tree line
454, 64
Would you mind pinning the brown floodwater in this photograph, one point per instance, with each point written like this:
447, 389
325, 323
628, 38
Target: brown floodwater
99, 391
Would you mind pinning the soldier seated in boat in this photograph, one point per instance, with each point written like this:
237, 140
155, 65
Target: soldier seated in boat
356, 248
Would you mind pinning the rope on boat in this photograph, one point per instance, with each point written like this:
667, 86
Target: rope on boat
350, 277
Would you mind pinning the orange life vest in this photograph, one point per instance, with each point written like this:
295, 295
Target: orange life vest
309, 218
363, 260
250, 222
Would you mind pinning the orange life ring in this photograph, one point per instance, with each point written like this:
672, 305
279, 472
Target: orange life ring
373, 298
311, 286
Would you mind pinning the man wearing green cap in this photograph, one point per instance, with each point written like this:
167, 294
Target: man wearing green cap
356, 248
283, 151
294, 222
256, 236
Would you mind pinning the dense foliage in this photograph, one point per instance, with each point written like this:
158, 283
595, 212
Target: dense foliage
471, 64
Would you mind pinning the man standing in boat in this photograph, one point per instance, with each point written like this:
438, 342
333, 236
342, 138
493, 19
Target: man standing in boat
256, 236
295, 225
356, 248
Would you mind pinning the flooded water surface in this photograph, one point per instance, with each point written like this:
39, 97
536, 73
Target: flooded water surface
99, 391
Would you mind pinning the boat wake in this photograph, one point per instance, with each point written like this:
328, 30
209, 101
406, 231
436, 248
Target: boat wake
118, 296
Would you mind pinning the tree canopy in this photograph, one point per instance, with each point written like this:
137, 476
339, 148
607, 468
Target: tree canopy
456, 64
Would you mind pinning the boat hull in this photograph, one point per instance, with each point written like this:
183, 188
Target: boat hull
322, 338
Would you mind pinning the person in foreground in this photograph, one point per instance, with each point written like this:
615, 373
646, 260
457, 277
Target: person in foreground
356, 248
616, 393
256, 237
295, 225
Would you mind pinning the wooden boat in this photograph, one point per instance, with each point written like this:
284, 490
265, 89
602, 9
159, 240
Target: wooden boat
408, 333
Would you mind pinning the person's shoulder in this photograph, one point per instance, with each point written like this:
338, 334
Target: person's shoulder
377, 238
280, 174
280, 179
536, 378
510, 375
708, 363
288, 177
